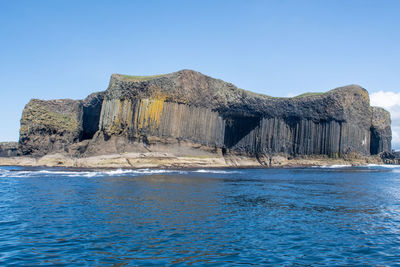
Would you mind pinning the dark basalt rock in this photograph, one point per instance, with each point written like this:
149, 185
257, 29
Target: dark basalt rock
91, 115
8, 149
48, 126
188, 105
390, 157
54, 125
381, 133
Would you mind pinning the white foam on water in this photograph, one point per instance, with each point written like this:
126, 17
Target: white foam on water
46, 173
393, 168
105, 173
334, 166
3, 173
140, 172
119, 172
89, 174
86, 174
386, 166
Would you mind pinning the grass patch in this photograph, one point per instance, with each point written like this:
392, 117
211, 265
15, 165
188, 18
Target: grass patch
37, 115
309, 94
140, 78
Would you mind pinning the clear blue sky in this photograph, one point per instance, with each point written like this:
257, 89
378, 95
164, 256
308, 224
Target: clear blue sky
68, 49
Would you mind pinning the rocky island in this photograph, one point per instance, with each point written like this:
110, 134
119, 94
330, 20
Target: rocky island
187, 119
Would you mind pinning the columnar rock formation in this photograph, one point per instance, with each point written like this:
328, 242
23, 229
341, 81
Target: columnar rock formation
381, 133
187, 106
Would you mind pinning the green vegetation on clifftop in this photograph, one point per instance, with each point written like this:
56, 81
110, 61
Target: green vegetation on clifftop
38, 114
309, 94
139, 78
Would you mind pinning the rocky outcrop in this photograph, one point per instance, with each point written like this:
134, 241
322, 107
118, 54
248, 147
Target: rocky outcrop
48, 126
8, 149
55, 125
162, 112
381, 133
391, 157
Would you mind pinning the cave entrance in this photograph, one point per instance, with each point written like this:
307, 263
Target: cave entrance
90, 120
374, 142
237, 127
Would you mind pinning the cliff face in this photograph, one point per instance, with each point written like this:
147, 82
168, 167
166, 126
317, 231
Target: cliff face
189, 106
49, 126
8, 149
381, 133
54, 125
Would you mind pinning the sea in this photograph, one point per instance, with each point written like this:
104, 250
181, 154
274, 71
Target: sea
316, 216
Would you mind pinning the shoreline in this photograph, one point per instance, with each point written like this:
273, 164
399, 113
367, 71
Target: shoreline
153, 160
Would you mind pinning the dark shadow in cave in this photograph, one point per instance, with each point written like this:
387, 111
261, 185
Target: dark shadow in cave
90, 120
374, 142
237, 127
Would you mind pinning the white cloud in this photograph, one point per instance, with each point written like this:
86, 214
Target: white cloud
391, 102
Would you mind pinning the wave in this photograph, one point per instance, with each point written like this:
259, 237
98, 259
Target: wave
3, 171
334, 166
386, 166
103, 173
372, 167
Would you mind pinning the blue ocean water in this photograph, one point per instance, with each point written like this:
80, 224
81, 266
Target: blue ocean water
293, 217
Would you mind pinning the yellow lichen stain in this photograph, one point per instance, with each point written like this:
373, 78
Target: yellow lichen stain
148, 114
144, 115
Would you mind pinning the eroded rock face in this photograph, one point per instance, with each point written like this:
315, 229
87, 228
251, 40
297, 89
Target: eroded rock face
55, 125
48, 126
8, 149
381, 133
189, 106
